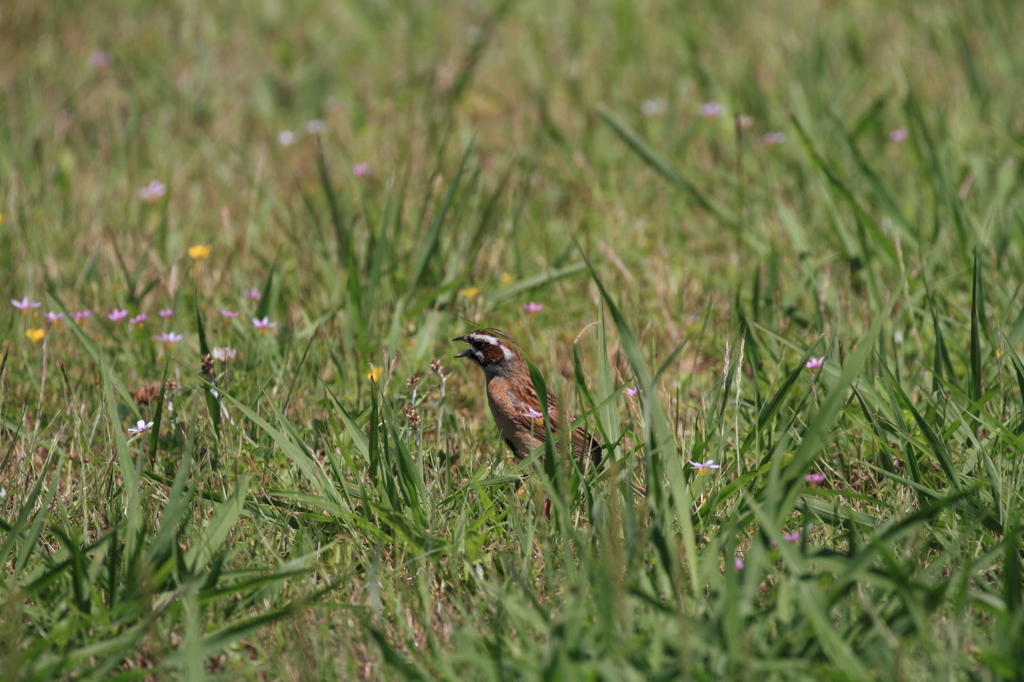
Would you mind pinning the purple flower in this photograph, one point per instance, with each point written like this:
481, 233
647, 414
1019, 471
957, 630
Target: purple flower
100, 59
814, 364
286, 138
230, 314
253, 294
361, 170
792, 537
315, 127
153, 191
898, 135
703, 467
737, 563
814, 480
772, 139
264, 324
117, 315
533, 308
168, 339
80, 315
631, 392
138, 319
24, 305
141, 427
166, 312
54, 318
533, 413
711, 109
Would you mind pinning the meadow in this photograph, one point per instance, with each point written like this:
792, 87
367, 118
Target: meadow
783, 239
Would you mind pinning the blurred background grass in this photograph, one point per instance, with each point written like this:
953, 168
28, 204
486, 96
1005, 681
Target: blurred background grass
293, 519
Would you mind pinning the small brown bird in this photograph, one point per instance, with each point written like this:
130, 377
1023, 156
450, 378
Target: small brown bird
512, 398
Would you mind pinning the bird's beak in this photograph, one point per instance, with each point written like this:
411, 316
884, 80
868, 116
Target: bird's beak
465, 353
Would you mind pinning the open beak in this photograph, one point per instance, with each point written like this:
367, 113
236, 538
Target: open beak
466, 353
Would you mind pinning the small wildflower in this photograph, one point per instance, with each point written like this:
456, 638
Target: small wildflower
166, 312
199, 251
54, 318
745, 121
533, 308
470, 293
223, 354
437, 368
100, 59
80, 315
361, 170
139, 319
413, 381
711, 109
117, 315
153, 191
286, 138
229, 314
206, 364
772, 139
374, 374
653, 107
315, 127
737, 563
703, 468
140, 427
253, 294
534, 414
25, 305
631, 392
792, 537
898, 135
264, 324
814, 364
507, 278
814, 480
168, 339
35, 335
412, 416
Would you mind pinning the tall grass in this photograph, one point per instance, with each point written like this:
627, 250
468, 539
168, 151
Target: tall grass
334, 502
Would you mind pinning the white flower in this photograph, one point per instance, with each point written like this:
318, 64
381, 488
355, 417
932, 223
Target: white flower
315, 127
223, 354
653, 107
153, 191
141, 428
286, 138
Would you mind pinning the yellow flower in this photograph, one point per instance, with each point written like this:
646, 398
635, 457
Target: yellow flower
199, 251
1, 218
470, 293
375, 373
35, 335
507, 278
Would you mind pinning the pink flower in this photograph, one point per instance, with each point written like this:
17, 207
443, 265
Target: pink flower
533, 413
166, 312
230, 314
737, 563
898, 135
138, 319
772, 139
54, 318
814, 364
253, 294
117, 315
814, 480
533, 308
223, 354
80, 315
153, 191
631, 392
711, 109
24, 305
140, 428
361, 170
703, 468
168, 339
264, 324
792, 537
100, 59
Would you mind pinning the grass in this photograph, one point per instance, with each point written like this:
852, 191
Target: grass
334, 502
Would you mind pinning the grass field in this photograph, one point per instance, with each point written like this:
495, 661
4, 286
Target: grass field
706, 198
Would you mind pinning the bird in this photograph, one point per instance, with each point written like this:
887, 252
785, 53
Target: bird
513, 400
